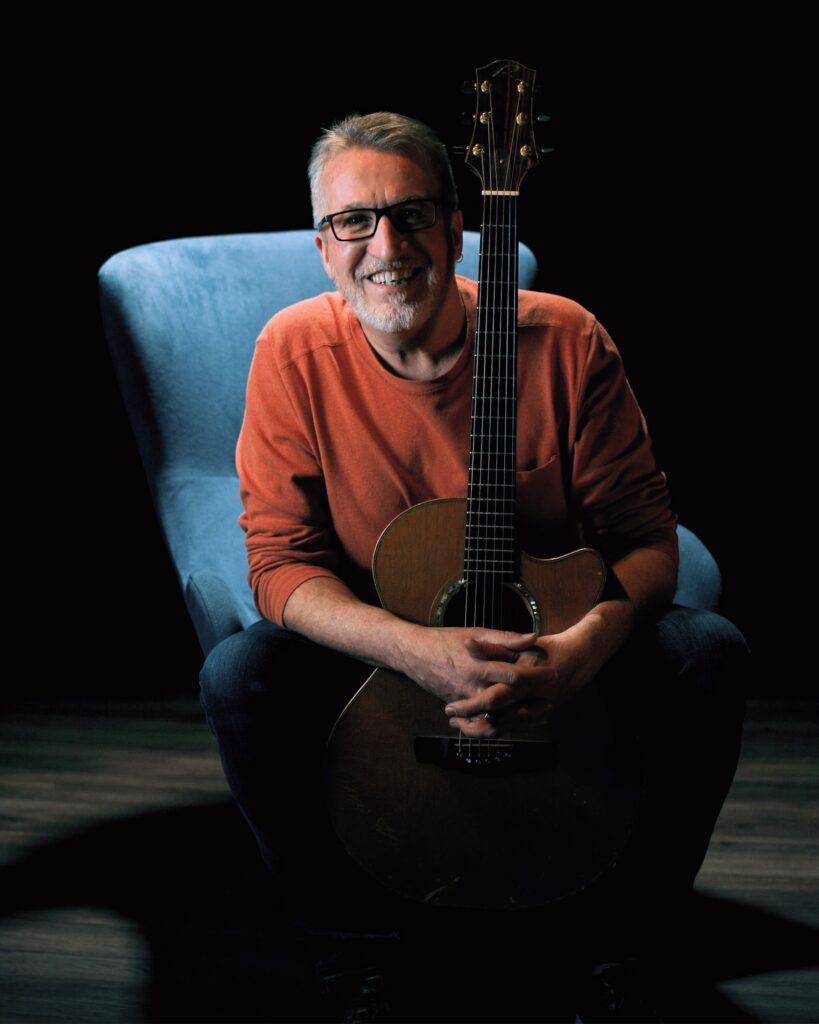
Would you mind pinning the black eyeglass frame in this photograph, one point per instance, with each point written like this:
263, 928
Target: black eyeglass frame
386, 211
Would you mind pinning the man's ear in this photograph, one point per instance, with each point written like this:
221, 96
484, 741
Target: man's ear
323, 248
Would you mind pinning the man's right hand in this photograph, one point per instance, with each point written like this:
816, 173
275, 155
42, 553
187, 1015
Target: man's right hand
453, 663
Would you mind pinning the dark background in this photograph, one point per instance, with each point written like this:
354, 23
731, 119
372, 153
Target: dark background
636, 215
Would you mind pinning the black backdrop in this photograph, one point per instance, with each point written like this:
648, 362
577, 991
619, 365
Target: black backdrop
635, 215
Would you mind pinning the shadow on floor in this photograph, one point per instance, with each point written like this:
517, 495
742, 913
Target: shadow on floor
190, 879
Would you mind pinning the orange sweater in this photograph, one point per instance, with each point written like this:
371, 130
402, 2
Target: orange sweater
333, 446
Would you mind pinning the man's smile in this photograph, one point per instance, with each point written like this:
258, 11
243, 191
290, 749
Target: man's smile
394, 277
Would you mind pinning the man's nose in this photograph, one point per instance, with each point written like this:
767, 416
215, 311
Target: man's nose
388, 242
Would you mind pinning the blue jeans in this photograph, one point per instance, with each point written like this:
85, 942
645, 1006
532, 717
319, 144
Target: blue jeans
271, 698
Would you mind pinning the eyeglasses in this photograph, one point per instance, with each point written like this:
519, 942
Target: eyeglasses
411, 215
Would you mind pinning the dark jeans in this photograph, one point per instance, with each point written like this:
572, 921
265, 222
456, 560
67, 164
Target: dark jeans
271, 698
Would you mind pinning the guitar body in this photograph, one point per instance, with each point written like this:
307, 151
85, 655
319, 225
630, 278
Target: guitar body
440, 818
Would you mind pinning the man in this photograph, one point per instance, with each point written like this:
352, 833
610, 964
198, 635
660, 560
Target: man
358, 408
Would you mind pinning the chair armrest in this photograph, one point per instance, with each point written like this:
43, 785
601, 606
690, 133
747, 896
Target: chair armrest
699, 584
215, 610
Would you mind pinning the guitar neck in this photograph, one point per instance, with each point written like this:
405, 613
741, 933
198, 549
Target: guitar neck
490, 511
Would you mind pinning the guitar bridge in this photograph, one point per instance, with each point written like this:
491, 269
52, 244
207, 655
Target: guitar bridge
495, 757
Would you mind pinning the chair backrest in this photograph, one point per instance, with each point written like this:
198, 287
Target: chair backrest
182, 318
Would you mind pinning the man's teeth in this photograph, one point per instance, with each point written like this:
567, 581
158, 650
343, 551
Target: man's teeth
392, 276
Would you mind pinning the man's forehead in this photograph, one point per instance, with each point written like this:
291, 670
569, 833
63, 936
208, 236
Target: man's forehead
354, 177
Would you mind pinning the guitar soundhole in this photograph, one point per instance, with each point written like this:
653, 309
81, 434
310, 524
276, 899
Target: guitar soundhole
503, 606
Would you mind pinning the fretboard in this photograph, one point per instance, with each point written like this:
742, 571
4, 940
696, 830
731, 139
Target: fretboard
490, 549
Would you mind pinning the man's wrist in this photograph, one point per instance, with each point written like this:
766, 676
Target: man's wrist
606, 627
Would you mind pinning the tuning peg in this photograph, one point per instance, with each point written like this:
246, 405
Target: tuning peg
468, 88
458, 150
468, 119
543, 118
545, 150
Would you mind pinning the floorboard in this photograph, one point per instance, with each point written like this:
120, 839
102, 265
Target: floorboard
127, 873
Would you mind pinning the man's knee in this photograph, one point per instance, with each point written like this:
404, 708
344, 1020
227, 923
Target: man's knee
704, 645
243, 665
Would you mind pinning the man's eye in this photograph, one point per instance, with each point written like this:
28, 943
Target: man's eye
354, 220
410, 215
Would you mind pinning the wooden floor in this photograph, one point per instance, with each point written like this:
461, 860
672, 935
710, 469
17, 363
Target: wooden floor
131, 892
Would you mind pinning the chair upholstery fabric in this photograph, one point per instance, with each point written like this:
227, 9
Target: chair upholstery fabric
181, 318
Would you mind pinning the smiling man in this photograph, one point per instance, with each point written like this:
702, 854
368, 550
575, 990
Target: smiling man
358, 407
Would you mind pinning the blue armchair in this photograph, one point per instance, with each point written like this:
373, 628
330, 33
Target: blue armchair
181, 318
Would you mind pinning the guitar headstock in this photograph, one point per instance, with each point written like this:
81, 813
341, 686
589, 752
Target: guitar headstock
502, 148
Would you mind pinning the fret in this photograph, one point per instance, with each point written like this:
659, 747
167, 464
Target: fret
502, 545
485, 555
488, 526
482, 551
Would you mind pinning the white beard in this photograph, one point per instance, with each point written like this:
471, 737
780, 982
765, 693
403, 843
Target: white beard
394, 313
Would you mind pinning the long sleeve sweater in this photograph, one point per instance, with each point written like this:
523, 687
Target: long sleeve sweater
333, 445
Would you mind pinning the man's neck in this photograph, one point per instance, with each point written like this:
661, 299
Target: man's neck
426, 353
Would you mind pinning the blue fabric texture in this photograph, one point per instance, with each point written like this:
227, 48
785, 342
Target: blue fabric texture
181, 318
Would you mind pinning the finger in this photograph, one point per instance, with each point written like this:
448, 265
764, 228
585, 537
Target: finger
525, 675
532, 655
488, 651
475, 728
506, 638
488, 701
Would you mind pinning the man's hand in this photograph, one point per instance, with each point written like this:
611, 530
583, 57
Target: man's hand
547, 672
456, 663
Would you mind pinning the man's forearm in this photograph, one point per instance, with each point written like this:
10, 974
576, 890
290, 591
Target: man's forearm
326, 611
640, 585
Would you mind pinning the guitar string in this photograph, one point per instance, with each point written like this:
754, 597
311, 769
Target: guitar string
495, 386
475, 592
488, 377
474, 456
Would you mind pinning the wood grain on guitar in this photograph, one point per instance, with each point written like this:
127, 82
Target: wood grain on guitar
503, 822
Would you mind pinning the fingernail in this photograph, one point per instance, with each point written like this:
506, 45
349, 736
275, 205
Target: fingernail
449, 709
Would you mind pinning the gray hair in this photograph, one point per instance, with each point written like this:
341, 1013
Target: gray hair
387, 133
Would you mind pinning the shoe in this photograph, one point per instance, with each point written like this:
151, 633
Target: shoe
618, 992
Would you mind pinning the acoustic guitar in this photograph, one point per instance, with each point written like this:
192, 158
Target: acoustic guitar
434, 815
